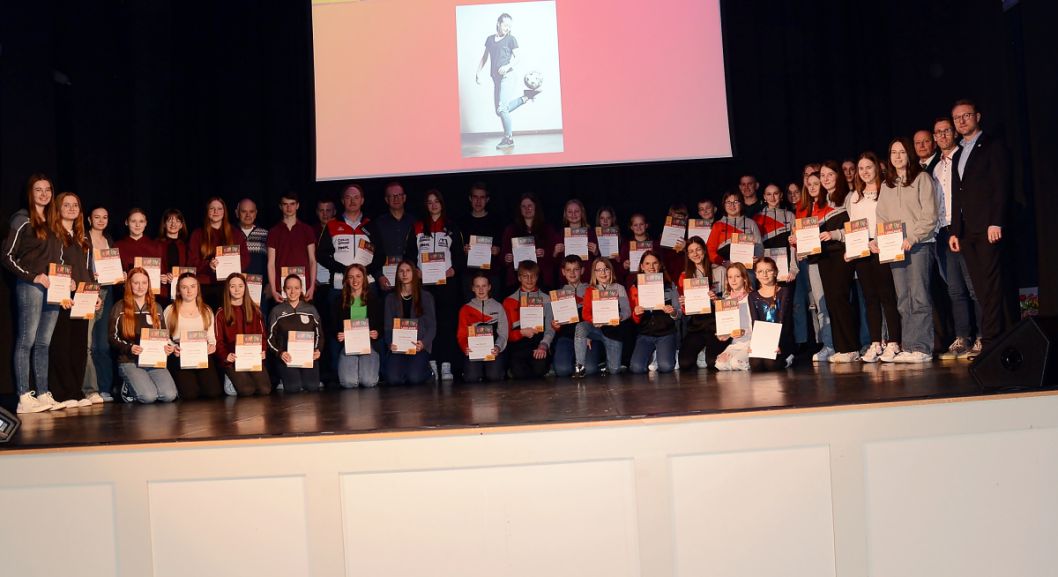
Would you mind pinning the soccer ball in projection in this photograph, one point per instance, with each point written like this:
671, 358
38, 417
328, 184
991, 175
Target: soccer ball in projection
533, 80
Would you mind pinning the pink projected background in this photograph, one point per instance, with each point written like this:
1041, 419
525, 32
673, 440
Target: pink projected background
639, 82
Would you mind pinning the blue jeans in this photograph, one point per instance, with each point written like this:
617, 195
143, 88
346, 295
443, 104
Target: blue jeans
563, 358
587, 331
99, 375
800, 305
911, 278
960, 289
357, 370
823, 334
408, 369
645, 347
502, 90
149, 385
36, 322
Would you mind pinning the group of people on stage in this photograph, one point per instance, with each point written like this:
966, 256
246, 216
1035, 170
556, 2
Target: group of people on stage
235, 308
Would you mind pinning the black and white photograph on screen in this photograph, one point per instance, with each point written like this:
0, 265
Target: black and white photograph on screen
510, 97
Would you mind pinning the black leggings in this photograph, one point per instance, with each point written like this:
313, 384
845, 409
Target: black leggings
879, 297
68, 357
520, 356
702, 336
249, 383
837, 277
196, 383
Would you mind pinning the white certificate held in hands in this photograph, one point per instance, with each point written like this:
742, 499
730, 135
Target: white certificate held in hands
605, 307
651, 290
697, 227
389, 270
248, 349
742, 250
229, 261
153, 266
107, 262
806, 231
480, 343
300, 346
357, 337
405, 335
364, 253
434, 267
480, 253
60, 285
696, 299
764, 342
781, 256
531, 312
255, 287
564, 306
728, 318
194, 350
153, 354
609, 241
576, 241
523, 248
636, 248
857, 240
890, 241
84, 301
675, 230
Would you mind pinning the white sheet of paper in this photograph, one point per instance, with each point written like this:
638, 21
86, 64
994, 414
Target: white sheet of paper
357, 338
808, 241
108, 270
765, 340
605, 312
361, 255
565, 311
634, 258
300, 347
523, 252
651, 296
154, 273
405, 340
480, 254
228, 264
781, 256
531, 317
248, 356
59, 288
696, 300
609, 245
742, 252
577, 245
390, 272
433, 272
153, 354
699, 231
728, 321
856, 244
256, 291
891, 247
480, 347
84, 305
671, 234
194, 352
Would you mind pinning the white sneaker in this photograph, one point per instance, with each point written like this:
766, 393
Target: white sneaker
107, 397
913, 357
702, 362
823, 355
446, 372
229, 388
974, 352
849, 357
84, 403
653, 366
433, 370
28, 403
49, 401
676, 365
95, 398
68, 404
789, 361
873, 353
890, 352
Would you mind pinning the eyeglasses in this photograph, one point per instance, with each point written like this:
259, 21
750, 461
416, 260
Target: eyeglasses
942, 132
964, 116
732, 202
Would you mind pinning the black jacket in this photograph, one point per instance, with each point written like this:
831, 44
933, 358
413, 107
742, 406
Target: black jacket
980, 196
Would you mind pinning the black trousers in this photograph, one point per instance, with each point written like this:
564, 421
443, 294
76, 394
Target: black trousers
196, 383
474, 371
837, 278
984, 260
520, 356
879, 296
703, 336
447, 302
68, 357
249, 383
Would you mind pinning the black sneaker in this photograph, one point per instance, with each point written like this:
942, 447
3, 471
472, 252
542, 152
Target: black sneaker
127, 394
604, 371
507, 142
579, 372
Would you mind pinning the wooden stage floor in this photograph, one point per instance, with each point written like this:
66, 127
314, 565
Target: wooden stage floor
512, 403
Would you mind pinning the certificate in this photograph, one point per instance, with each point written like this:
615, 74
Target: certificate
728, 318
651, 290
107, 262
405, 334
636, 248
806, 231
194, 351
480, 253
229, 261
153, 354
300, 347
564, 306
255, 287
576, 241
675, 230
891, 241
364, 253
697, 227
531, 312
434, 267
248, 349
60, 285
284, 272
765, 340
696, 298
153, 266
84, 301
857, 239
389, 270
357, 337
605, 309
179, 270
523, 248
609, 241
480, 343
781, 256
742, 249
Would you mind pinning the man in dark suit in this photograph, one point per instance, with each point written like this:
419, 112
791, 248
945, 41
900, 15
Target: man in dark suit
926, 150
980, 195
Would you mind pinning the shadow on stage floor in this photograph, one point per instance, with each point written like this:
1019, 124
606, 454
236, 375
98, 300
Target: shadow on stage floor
511, 403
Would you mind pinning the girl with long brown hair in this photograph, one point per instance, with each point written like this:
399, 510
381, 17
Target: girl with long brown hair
216, 231
187, 314
135, 312
359, 304
409, 301
240, 316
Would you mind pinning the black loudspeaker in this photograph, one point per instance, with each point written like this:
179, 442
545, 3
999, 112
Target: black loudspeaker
1025, 357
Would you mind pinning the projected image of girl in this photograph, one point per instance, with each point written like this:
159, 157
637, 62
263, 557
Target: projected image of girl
502, 50
518, 67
